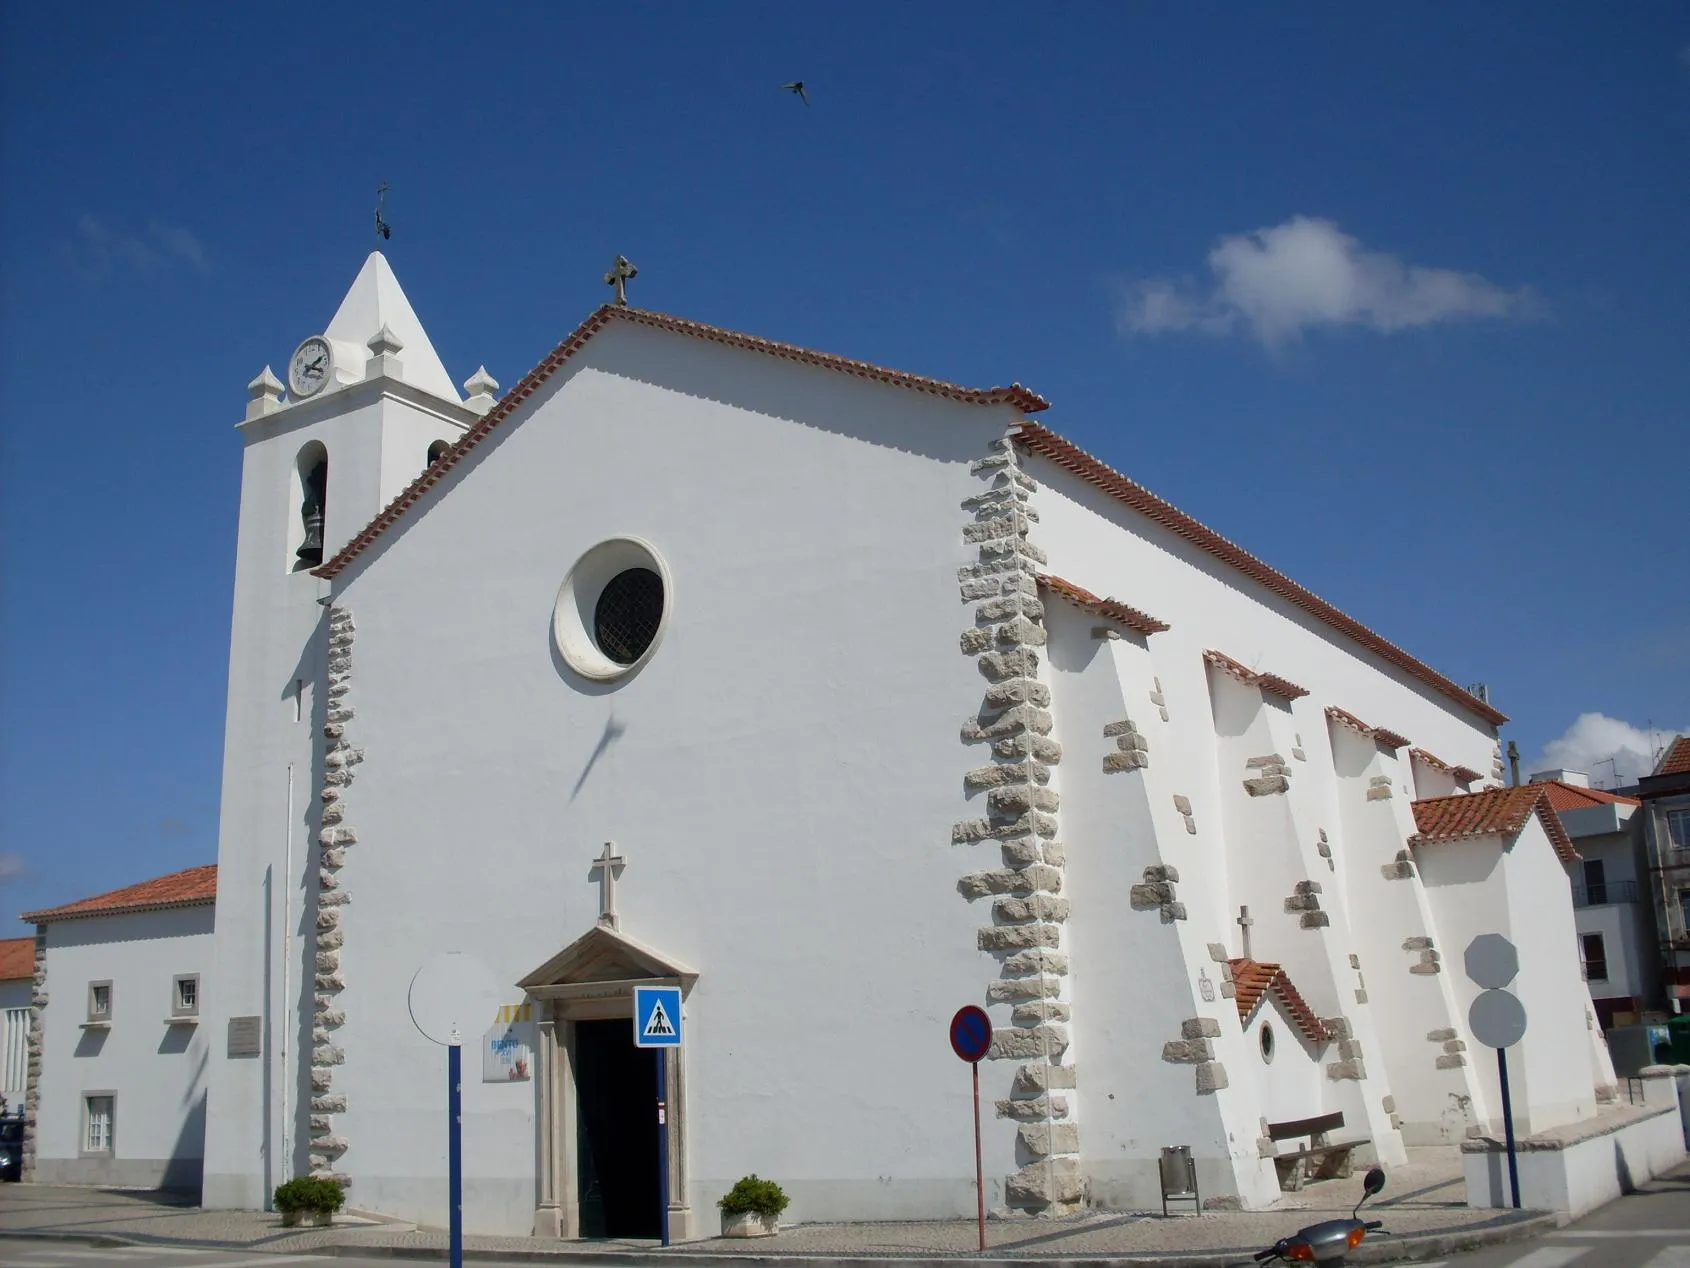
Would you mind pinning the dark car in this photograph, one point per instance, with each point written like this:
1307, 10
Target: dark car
11, 1148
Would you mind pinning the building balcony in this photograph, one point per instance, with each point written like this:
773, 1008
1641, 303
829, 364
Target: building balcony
1605, 894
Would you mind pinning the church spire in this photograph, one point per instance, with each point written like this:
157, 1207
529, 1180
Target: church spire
376, 305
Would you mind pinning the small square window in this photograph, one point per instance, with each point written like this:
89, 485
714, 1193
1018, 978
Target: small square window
1678, 828
97, 1117
1595, 958
99, 1001
185, 995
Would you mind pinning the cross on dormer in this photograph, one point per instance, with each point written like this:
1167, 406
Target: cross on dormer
1244, 923
621, 273
606, 865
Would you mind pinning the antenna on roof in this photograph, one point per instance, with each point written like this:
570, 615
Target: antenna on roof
383, 229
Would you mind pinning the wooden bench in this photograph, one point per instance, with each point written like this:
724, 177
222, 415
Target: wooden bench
1320, 1159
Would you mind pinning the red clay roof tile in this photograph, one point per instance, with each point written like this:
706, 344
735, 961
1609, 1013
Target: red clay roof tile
1132, 618
1344, 717
1021, 398
1492, 812
188, 888
1460, 774
1564, 796
17, 959
1072, 458
1273, 684
1253, 980
1676, 760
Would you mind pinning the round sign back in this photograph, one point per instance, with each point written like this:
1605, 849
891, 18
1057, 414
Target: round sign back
1497, 1019
971, 1033
454, 998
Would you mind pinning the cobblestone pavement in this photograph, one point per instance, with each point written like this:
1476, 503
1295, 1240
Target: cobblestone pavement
1422, 1198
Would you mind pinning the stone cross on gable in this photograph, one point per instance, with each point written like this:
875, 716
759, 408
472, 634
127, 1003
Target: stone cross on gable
621, 273
606, 865
1244, 923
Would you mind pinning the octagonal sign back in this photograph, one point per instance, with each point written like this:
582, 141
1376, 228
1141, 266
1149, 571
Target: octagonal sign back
1492, 961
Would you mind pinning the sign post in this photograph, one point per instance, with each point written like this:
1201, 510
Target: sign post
1498, 1020
657, 1024
971, 1039
453, 995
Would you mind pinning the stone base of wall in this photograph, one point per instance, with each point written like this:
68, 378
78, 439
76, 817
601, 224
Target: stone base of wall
178, 1175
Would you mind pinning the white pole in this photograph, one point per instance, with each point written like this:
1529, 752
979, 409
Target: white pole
287, 987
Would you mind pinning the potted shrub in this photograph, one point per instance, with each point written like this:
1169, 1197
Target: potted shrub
752, 1208
309, 1200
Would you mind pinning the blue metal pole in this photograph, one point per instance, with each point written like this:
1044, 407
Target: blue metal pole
455, 1151
663, 1144
1508, 1125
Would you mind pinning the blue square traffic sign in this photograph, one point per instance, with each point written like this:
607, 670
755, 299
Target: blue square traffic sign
657, 1016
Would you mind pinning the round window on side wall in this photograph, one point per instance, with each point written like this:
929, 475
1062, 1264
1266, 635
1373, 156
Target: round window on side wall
1266, 1040
612, 609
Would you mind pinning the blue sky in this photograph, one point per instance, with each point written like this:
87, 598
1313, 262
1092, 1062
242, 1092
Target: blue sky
1397, 298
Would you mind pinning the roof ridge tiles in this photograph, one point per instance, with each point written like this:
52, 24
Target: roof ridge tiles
190, 887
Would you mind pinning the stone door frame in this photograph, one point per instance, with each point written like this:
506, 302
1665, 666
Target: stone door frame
593, 979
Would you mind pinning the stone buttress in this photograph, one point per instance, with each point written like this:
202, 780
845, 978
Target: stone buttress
327, 1146
1011, 729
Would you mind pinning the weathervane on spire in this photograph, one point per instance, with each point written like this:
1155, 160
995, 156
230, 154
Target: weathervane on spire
383, 229
621, 273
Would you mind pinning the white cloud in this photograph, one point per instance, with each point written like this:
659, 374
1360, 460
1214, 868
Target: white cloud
12, 867
1279, 282
100, 246
1610, 751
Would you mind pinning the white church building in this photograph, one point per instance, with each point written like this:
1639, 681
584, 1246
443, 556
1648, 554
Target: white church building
839, 697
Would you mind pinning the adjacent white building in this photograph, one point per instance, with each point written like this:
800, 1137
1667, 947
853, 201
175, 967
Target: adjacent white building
119, 1091
1665, 794
17, 973
839, 697
1618, 942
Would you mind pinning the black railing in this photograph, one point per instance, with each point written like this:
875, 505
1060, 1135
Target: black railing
1605, 893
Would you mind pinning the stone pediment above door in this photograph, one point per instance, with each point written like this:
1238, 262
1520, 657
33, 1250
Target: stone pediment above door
605, 961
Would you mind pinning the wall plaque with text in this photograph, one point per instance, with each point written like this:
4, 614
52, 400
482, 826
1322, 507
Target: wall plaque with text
246, 1036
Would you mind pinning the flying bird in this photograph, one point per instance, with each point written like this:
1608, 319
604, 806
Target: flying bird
797, 86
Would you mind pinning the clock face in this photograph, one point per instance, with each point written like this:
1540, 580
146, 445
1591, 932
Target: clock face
308, 372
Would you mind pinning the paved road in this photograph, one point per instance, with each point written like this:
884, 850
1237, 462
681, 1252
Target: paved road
1648, 1229
25, 1253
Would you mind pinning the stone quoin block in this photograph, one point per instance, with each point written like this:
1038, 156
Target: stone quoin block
1037, 1078
1052, 1182
1032, 907
1008, 880
1022, 1044
1007, 937
1038, 961
1044, 1139
1012, 989
1041, 1011
1211, 1077
1033, 1108
1188, 1051
1200, 1028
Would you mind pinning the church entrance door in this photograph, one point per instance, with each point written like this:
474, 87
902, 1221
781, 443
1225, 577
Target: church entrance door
616, 1145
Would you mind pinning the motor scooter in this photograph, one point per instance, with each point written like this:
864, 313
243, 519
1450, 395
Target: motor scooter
1329, 1241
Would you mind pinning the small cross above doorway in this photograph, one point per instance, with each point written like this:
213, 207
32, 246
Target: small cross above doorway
607, 865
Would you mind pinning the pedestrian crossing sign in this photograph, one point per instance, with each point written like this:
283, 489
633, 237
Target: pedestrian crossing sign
657, 1016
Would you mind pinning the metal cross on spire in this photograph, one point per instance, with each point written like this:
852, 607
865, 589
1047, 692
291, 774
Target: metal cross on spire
621, 273
606, 865
1244, 923
383, 229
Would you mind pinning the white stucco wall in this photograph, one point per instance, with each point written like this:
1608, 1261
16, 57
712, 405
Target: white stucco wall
376, 435
1477, 886
782, 775
156, 1070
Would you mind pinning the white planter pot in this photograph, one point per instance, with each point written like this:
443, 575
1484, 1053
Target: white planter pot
750, 1224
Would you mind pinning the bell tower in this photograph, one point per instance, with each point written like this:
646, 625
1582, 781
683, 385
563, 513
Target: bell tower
365, 406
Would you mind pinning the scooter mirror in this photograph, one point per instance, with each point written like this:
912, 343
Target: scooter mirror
1374, 1180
